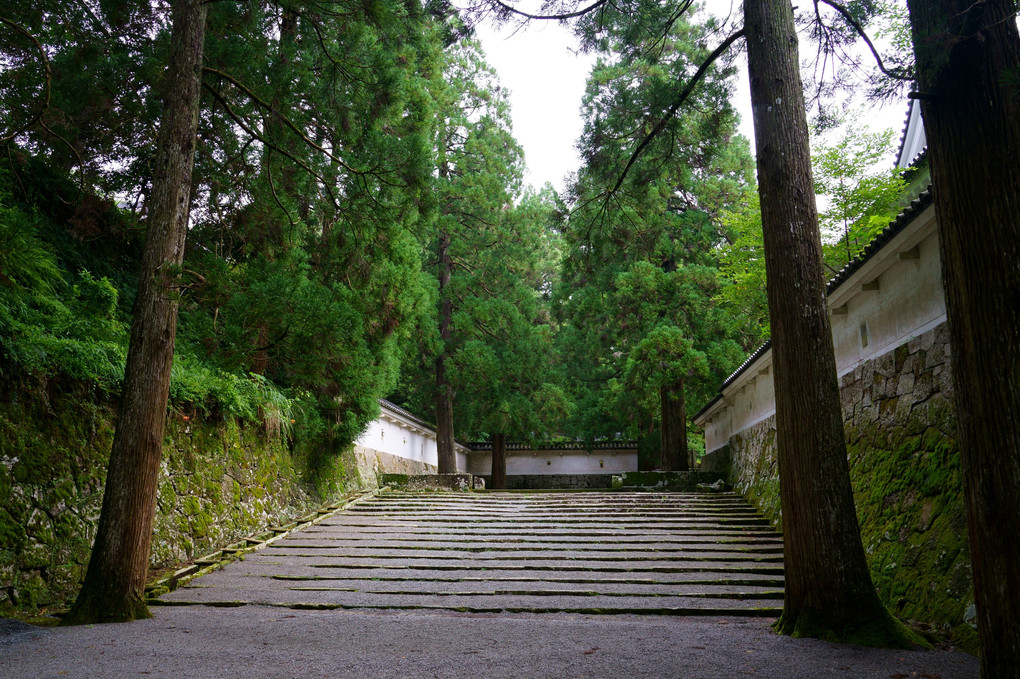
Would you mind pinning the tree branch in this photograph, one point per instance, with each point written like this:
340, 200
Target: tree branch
49, 78
896, 75
657, 130
286, 121
569, 15
244, 125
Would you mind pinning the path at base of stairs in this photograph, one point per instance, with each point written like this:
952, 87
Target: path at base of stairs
256, 642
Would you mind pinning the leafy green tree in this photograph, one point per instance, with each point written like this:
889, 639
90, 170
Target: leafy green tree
310, 227
742, 264
480, 166
488, 373
861, 199
636, 303
508, 369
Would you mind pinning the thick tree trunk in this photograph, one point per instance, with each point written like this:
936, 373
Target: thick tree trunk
828, 586
114, 587
444, 390
968, 58
498, 462
673, 435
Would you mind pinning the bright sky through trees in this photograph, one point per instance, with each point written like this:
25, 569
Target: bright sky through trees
545, 75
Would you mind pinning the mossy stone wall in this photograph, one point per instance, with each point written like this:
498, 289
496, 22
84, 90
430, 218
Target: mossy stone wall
905, 471
220, 480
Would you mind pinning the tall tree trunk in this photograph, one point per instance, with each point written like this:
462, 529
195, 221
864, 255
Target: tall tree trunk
673, 435
828, 586
498, 462
444, 390
114, 587
968, 60
260, 359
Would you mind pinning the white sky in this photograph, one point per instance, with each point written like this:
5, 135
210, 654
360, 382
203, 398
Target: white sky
546, 82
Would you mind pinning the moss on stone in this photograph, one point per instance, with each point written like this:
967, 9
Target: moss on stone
906, 476
394, 480
909, 493
220, 480
878, 629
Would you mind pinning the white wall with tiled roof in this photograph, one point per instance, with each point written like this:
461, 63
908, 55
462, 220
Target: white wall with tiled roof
892, 296
544, 462
397, 433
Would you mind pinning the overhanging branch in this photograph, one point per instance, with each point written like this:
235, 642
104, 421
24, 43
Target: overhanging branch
286, 121
49, 78
843, 12
244, 125
567, 15
684, 94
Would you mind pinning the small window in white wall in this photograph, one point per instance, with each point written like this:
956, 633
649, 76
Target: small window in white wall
864, 335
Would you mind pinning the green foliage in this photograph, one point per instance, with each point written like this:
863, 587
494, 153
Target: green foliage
311, 194
742, 262
494, 264
25, 261
637, 304
860, 200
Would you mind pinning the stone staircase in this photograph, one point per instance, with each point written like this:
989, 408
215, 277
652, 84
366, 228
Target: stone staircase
581, 552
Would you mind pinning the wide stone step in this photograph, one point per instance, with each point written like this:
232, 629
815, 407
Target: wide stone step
596, 552
551, 601
546, 549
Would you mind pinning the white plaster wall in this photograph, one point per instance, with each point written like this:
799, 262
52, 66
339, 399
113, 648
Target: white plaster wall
397, 439
908, 302
393, 433
544, 462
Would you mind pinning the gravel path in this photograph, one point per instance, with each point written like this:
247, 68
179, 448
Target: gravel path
257, 641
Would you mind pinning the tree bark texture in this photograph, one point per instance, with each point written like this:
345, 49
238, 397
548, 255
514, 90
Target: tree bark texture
447, 457
829, 592
498, 462
673, 435
968, 65
114, 584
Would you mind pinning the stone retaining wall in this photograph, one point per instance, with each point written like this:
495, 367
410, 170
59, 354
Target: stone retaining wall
554, 481
220, 480
905, 471
373, 463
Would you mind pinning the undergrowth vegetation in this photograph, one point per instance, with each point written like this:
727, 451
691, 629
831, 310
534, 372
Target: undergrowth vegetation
67, 275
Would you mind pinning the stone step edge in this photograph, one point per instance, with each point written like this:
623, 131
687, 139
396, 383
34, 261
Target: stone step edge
756, 570
406, 538
699, 547
741, 558
763, 595
742, 582
749, 612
